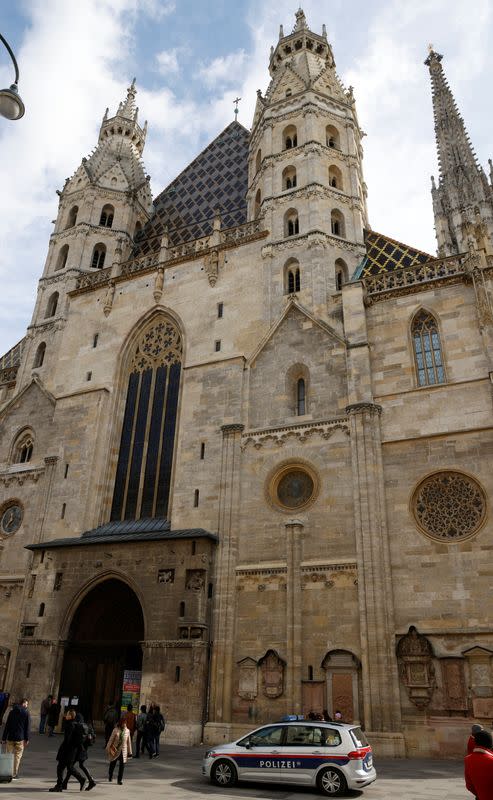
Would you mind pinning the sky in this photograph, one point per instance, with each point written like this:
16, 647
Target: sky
191, 58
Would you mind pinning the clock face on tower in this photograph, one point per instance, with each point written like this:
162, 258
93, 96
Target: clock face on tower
11, 519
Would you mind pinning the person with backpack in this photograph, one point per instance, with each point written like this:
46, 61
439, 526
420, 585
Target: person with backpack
67, 755
83, 737
154, 727
140, 725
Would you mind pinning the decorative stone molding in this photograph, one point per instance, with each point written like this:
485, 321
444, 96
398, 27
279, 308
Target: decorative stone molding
414, 657
410, 280
363, 408
235, 427
33, 475
173, 643
50, 460
300, 433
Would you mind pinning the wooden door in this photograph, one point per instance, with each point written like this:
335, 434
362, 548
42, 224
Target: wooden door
313, 697
342, 695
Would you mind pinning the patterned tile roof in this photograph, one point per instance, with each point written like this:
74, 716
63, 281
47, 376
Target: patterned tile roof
13, 357
138, 530
216, 179
384, 254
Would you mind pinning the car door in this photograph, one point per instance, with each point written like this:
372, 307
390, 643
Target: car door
260, 761
302, 753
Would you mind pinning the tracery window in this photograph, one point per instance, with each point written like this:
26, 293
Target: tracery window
449, 505
291, 223
24, 449
427, 350
143, 474
107, 214
98, 256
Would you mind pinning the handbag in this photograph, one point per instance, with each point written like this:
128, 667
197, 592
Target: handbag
6, 766
112, 751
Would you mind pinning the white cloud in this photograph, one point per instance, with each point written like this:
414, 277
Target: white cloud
167, 61
223, 70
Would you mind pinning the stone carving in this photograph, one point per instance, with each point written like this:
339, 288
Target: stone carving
160, 345
211, 265
414, 656
272, 669
300, 433
195, 579
455, 694
108, 298
7, 478
166, 576
158, 285
247, 678
449, 506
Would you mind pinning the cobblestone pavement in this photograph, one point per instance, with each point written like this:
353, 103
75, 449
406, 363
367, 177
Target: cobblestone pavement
177, 775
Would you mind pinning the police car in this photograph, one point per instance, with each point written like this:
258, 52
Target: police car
330, 755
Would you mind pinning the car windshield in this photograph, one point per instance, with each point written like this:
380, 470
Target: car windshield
359, 737
263, 737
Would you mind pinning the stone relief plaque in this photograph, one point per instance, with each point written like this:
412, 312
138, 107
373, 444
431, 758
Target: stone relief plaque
482, 707
272, 669
455, 693
247, 679
195, 579
166, 576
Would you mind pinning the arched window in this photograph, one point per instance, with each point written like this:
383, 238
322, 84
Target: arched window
335, 177
258, 201
23, 449
427, 349
62, 257
40, 355
107, 214
72, 217
292, 282
289, 178
258, 160
51, 306
291, 223
300, 397
289, 137
332, 137
341, 273
98, 256
337, 224
143, 473
138, 228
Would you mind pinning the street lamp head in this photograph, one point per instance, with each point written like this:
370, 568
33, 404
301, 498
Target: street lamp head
11, 105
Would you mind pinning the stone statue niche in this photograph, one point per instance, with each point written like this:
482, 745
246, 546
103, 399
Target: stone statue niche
416, 670
272, 669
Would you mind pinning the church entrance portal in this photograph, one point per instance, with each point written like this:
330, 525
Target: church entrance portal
103, 641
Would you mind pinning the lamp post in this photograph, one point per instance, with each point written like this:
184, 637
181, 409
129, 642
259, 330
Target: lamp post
11, 105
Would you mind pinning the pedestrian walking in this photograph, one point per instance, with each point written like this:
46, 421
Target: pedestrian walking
43, 712
478, 767
83, 737
154, 727
52, 717
16, 733
110, 718
471, 742
131, 719
67, 755
119, 749
140, 725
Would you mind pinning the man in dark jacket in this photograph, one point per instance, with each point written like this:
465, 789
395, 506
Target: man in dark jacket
16, 732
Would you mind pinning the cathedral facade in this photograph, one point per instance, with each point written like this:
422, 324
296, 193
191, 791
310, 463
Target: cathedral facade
245, 443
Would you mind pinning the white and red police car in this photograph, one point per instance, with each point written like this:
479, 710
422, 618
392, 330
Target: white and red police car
333, 756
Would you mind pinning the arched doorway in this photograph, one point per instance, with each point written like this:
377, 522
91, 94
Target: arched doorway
343, 671
103, 642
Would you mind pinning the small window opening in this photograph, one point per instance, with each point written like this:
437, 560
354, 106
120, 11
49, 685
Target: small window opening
217, 345
72, 217
210, 590
95, 340
88, 376
58, 582
196, 498
64, 508
220, 308
182, 609
42, 557
40, 355
98, 256
194, 547
177, 674
62, 258
300, 397
52, 305
310, 673
66, 471
41, 610
107, 214
202, 451
28, 669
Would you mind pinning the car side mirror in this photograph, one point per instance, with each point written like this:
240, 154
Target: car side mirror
247, 745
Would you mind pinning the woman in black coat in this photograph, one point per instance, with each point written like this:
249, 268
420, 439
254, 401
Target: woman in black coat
81, 732
67, 755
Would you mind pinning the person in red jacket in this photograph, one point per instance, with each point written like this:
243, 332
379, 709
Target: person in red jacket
478, 767
471, 742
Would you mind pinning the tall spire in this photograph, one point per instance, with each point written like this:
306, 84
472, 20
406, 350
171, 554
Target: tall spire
463, 188
127, 109
124, 123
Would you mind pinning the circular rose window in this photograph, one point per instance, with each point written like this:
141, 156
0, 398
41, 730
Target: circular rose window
293, 487
449, 506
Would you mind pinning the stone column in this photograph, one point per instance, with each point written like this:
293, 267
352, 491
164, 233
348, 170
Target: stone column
223, 629
380, 679
294, 532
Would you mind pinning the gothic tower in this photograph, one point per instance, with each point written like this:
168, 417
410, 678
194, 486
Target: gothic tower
305, 168
463, 191
101, 209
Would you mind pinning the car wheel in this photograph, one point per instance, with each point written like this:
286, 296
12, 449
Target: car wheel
223, 773
331, 782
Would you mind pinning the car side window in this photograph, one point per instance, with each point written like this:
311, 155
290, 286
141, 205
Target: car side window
267, 736
304, 736
332, 737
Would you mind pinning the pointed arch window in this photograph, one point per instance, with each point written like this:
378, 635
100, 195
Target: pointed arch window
341, 273
107, 214
293, 280
289, 178
337, 224
72, 217
62, 258
143, 474
258, 160
258, 203
291, 223
51, 306
427, 349
23, 450
40, 355
98, 256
